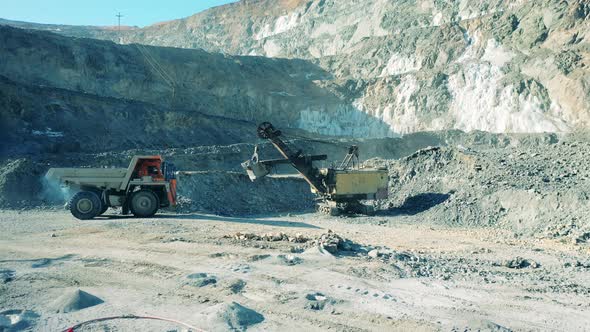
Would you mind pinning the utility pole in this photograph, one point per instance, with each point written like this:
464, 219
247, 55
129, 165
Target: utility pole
119, 26
119, 17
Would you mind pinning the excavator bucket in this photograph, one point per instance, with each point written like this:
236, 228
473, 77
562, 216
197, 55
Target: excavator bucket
255, 169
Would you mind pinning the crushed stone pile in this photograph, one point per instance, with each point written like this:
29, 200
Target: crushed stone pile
233, 317
19, 182
532, 190
236, 286
75, 300
289, 260
233, 194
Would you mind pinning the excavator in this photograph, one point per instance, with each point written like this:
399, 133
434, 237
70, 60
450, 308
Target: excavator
339, 189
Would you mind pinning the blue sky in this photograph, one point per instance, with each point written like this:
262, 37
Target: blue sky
102, 12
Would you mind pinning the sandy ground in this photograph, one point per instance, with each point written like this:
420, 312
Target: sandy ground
456, 279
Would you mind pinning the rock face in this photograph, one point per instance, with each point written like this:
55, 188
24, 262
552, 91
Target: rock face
411, 65
66, 90
19, 181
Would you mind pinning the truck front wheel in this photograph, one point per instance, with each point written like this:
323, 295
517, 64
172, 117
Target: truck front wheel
144, 203
85, 205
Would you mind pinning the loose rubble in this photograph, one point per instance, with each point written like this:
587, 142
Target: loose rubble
539, 191
201, 279
316, 301
201, 193
290, 260
330, 241
521, 263
234, 316
6, 275
271, 237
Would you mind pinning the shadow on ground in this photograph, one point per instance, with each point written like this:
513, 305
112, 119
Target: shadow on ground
245, 220
417, 204
41, 262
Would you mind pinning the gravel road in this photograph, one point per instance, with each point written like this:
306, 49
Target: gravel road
301, 272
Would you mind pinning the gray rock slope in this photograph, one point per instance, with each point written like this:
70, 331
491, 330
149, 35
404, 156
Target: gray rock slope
412, 65
92, 95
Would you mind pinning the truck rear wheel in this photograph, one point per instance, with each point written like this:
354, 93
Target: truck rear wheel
85, 205
144, 203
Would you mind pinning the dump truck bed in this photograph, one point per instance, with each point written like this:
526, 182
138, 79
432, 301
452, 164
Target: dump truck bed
108, 178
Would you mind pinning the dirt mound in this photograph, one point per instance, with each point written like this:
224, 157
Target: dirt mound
235, 286
6, 275
317, 301
233, 194
486, 325
532, 190
75, 300
19, 182
201, 279
234, 316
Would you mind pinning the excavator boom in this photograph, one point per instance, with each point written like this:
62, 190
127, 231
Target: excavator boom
302, 163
